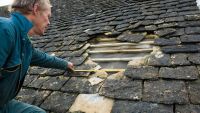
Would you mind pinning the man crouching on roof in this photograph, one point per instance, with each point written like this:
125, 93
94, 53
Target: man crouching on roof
28, 18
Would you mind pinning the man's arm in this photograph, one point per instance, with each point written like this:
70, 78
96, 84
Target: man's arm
42, 59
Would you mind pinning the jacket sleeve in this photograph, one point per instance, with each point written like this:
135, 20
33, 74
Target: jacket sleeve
42, 59
6, 45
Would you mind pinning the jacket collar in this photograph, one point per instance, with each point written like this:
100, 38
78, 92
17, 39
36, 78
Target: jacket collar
23, 23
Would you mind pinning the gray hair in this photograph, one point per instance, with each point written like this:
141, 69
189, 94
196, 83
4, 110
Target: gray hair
26, 6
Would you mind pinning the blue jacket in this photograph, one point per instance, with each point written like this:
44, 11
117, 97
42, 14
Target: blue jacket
17, 53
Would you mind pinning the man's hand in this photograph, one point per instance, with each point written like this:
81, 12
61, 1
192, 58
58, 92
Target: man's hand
70, 68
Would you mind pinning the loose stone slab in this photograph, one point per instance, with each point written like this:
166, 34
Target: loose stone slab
59, 102
167, 92
194, 91
122, 89
92, 103
184, 72
54, 83
79, 85
187, 109
140, 107
142, 72
131, 37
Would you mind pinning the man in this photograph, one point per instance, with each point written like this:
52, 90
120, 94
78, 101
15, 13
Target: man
29, 17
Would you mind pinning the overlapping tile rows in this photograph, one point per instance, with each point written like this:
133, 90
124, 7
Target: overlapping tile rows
167, 81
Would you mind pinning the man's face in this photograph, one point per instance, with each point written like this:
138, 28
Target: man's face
41, 21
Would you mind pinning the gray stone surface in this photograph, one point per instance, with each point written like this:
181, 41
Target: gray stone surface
131, 37
79, 85
37, 83
54, 83
165, 32
32, 96
181, 49
183, 72
142, 72
166, 42
29, 79
122, 89
190, 38
180, 59
194, 91
59, 102
140, 107
159, 59
192, 30
187, 109
194, 58
167, 92
79, 60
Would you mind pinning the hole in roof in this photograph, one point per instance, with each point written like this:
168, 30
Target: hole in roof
116, 52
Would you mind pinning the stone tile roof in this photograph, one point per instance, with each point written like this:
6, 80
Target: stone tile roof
166, 80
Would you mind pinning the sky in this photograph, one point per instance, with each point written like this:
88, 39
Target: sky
5, 2
198, 3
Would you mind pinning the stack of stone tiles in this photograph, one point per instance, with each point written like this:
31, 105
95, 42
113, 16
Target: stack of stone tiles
166, 82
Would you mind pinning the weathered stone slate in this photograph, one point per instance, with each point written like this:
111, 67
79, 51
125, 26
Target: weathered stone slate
184, 72
142, 72
175, 19
194, 58
54, 72
135, 25
187, 109
125, 25
37, 83
131, 37
29, 79
151, 28
140, 107
194, 91
59, 102
190, 38
152, 17
181, 49
192, 17
79, 85
32, 96
167, 92
54, 83
122, 89
79, 60
168, 25
180, 59
192, 30
166, 42
37, 71
159, 59
165, 32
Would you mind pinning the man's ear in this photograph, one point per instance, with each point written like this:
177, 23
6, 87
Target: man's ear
35, 9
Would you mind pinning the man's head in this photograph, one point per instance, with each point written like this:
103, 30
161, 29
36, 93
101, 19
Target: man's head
37, 11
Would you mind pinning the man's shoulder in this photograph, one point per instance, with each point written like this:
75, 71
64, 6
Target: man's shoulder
6, 24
